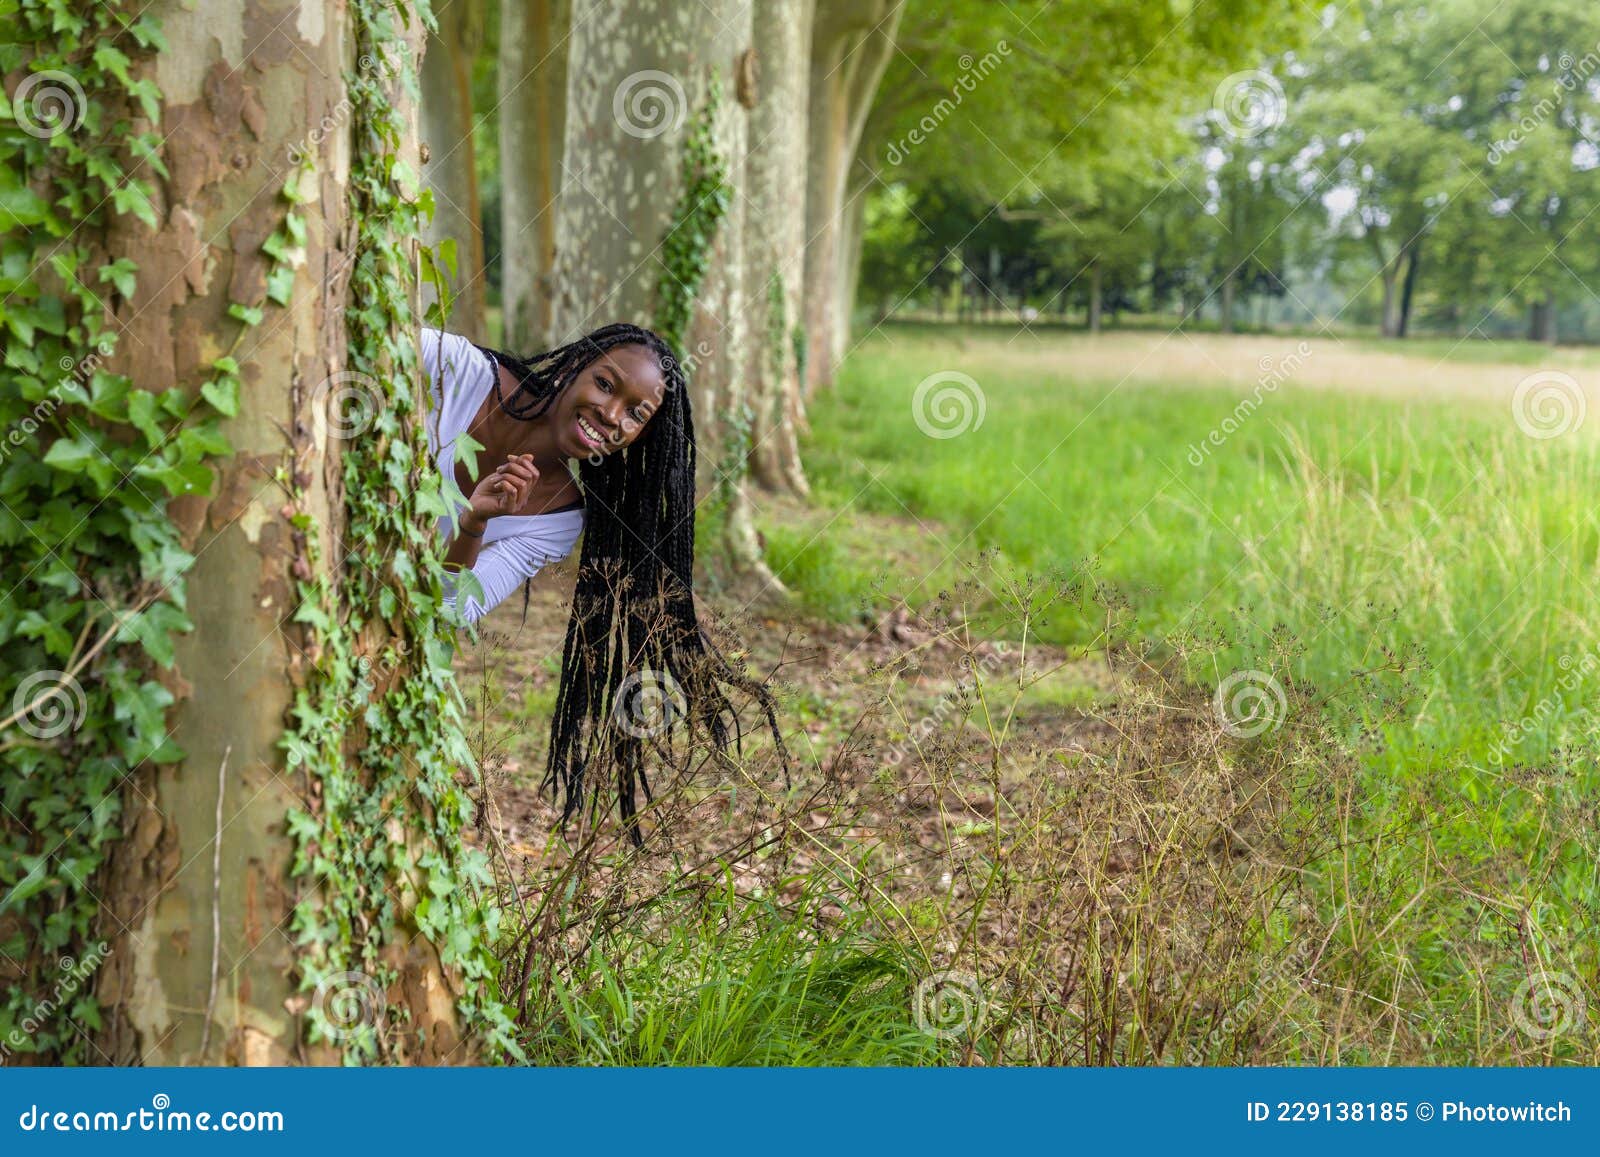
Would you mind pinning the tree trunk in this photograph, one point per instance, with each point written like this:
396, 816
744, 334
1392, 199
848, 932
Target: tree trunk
1407, 294
1542, 320
1096, 298
775, 238
205, 840
1228, 286
1391, 299
851, 44
648, 71
852, 225
450, 169
533, 117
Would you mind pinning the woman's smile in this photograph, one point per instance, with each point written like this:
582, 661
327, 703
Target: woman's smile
590, 433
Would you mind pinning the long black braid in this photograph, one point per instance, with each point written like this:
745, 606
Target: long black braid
633, 638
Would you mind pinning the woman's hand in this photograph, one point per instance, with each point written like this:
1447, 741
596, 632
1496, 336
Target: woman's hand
503, 492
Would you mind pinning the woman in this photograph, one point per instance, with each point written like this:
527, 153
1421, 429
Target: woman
617, 401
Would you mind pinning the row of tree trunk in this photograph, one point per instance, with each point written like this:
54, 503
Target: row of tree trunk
590, 180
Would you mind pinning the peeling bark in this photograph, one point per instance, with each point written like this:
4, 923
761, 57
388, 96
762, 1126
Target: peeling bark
242, 86
245, 87
534, 37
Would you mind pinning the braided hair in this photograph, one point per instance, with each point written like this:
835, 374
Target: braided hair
634, 642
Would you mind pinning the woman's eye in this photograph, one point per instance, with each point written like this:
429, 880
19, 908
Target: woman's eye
604, 385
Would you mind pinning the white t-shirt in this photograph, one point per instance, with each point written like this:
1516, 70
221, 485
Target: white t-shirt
515, 546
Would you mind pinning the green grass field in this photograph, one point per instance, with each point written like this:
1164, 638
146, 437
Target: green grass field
1330, 533
1378, 530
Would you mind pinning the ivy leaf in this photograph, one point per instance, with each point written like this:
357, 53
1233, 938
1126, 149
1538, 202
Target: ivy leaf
142, 408
223, 394
132, 198
72, 455
113, 60
280, 284
20, 206
121, 275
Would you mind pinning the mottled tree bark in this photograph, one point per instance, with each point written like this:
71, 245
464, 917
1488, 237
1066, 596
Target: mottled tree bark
533, 117
850, 48
450, 169
648, 67
775, 238
246, 84
243, 85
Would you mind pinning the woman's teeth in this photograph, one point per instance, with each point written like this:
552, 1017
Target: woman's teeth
590, 432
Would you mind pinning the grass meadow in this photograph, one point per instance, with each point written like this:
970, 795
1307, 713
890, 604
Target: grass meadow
1378, 532
1157, 699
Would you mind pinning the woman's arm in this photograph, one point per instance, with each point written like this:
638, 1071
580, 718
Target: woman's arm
505, 491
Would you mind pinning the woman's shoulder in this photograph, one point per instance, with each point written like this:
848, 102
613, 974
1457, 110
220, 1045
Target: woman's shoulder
458, 376
450, 353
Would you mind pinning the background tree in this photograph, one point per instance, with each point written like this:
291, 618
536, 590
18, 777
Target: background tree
531, 114
450, 167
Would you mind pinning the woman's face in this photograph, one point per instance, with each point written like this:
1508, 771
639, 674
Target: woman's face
609, 402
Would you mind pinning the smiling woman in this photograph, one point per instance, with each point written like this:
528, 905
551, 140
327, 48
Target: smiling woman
616, 402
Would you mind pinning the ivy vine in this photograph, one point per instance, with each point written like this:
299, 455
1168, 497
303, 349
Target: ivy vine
378, 729
703, 202
93, 566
